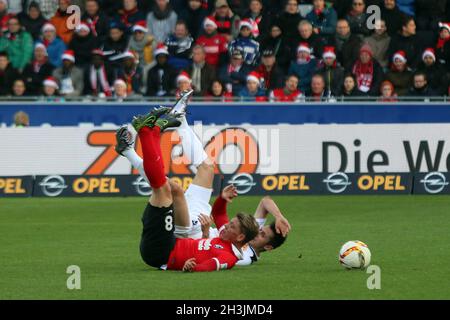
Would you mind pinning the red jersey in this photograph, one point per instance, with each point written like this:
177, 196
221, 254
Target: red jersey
279, 95
210, 254
214, 46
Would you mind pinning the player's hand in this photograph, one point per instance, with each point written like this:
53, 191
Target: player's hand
206, 223
229, 193
282, 226
189, 265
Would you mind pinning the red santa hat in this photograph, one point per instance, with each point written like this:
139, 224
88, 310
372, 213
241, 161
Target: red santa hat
429, 52
48, 27
161, 48
303, 47
444, 25
82, 27
401, 55
210, 21
69, 55
140, 26
42, 46
329, 52
246, 23
254, 76
184, 76
51, 82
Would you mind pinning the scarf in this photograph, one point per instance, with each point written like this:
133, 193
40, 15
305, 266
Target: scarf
103, 81
126, 14
364, 75
441, 42
92, 23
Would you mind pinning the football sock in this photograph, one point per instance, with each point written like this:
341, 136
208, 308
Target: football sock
153, 161
136, 162
192, 147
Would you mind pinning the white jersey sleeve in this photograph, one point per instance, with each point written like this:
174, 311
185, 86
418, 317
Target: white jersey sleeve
249, 256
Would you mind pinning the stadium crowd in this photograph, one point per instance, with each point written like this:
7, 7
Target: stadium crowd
252, 50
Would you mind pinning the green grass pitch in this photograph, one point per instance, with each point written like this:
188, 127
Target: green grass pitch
409, 238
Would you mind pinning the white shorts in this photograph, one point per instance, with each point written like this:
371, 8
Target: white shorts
197, 199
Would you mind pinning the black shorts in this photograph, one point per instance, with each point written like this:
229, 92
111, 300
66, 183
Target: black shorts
158, 239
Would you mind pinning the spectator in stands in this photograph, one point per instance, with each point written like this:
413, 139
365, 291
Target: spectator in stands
161, 20
61, 21
69, 76
98, 76
349, 88
4, 15
18, 44
331, 71
215, 45
38, 70
234, 74
406, 41
83, 43
434, 70
288, 20
400, 76
322, 18
379, 42
347, 45
304, 67
33, 20
227, 21
179, 45
21, 119
238, 6
429, 13
387, 91
141, 42
368, 72
47, 7
131, 73
201, 72
161, 77
357, 18
19, 89
392, 15
420, 87
306, 34
443, 45
130, 14
97, 20
55, 46
275, 41
318, 93
120, 90
246, 43
290, 92
50, 89
218, 92
253, 91
116, 44
184, 83
194, 15
260, 16
271, 75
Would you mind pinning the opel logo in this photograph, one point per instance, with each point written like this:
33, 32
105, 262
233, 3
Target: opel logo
434, 182
337, 182
53, 186
142, 186
243, 182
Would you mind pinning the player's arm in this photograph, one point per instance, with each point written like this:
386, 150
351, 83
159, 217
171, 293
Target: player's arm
206, 223
267, 206
224, 261
219, 209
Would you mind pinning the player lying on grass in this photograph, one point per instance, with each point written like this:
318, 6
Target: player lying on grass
198, 195
159, 247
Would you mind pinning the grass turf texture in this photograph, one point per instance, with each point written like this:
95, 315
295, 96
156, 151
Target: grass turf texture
409, 238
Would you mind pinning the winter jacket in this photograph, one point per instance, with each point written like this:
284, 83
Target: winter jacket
334, 78
215, 46
247, 96
304, 73
34, 79
71, 82
161, 28
248, 46
161, 80
326, 22
55, 50
236, 79
60, 21
18, 47
402, 81
179, 51
379, 46
83, 47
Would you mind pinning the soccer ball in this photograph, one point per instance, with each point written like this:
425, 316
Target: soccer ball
354, 255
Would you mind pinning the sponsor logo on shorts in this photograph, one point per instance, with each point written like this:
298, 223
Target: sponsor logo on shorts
434, 182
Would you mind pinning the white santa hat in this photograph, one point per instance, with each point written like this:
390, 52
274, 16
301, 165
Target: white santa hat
82, 27
254, 76
210, 21
51, 82
245, 23
184, 76
140, 26
444, 25
303, 47
42, 46
329, 52
429, 52
120, 82
69, 55
401, 55
48, 27
161, 48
